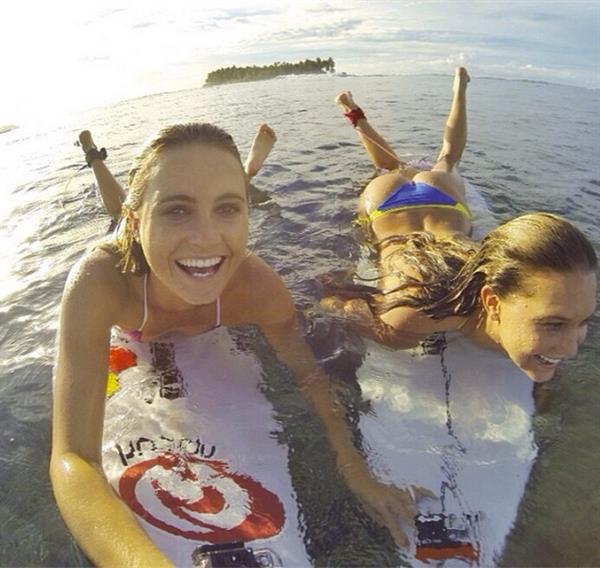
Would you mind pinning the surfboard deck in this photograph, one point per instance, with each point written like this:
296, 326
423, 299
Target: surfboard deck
190, 445
456, 419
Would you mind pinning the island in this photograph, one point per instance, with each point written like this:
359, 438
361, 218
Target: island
7, 128
260, 73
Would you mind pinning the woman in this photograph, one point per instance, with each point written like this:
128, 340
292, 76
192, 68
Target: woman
177, 263
514, 292
112, 193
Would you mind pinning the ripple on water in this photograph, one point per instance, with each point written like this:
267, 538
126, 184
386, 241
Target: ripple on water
314, 174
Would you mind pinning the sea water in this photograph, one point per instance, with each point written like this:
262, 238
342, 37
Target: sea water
532, 146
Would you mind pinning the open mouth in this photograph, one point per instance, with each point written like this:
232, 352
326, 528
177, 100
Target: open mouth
548, 361
201, 267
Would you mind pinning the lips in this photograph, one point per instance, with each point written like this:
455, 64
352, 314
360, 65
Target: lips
201, 267
548, 361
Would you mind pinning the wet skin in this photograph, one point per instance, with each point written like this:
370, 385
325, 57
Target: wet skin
546, 322
193, 224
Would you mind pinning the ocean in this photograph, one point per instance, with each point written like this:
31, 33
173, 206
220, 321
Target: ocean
532, 146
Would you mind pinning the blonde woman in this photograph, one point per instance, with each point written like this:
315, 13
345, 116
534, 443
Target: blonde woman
178, 263
528, 289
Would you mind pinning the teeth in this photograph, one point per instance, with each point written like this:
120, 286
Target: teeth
549, 360
200, 262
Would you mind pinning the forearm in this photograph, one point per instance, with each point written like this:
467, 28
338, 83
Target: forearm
318, 389
384, 503
100, 522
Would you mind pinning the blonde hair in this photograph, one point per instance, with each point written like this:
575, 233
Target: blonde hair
511, 252
447, 274
126, 242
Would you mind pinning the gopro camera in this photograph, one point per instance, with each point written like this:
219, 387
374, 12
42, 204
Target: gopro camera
234, 555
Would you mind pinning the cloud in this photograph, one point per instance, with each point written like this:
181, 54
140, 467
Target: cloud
335, 31
102, 42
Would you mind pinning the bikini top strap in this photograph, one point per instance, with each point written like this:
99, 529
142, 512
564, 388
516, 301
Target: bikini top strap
145, 302
218, 317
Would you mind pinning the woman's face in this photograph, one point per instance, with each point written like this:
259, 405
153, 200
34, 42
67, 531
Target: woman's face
546, 321
193, 223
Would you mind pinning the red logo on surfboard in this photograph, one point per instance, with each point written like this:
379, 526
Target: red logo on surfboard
200, 499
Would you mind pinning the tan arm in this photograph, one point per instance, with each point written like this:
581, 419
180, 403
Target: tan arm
385, 503
101, 523
400, 328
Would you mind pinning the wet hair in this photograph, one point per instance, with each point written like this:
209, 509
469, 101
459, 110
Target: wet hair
447, 274
126, 242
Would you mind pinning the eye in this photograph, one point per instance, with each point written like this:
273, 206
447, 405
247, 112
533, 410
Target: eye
175, 211
228, 209
552, 325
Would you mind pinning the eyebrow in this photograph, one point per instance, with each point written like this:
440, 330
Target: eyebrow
553, 318
562, 319
190, 199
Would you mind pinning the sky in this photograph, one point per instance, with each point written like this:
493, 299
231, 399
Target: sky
61, 56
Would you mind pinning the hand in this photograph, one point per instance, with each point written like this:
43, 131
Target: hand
387, 504
355, 309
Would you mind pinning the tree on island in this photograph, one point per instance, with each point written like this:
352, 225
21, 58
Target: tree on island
255, 73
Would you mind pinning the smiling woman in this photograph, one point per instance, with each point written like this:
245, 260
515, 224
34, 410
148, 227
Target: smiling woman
178, 264
513, 292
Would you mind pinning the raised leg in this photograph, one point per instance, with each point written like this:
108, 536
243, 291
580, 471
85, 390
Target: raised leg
377, 148
111, 192
455, 131
444, 174
263, 143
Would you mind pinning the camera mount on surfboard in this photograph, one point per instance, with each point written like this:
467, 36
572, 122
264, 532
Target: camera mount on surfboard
234, 555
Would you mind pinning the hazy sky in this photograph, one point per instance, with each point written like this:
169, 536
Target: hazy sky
62, 55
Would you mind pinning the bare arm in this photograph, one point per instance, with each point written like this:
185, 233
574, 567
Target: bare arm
400, 328
101, 523
385, 503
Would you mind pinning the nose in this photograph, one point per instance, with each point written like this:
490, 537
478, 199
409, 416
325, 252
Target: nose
203, 231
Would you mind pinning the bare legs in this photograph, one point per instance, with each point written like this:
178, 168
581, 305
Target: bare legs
263, 143
111, 192
455, 131
377, 148
113, 195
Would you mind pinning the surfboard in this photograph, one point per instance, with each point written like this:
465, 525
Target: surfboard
456, 419
190, 445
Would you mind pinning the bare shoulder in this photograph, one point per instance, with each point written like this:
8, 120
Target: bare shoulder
95, 279
406, 320
260, 293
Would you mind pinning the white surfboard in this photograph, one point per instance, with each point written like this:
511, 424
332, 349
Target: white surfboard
190, 444
456, 419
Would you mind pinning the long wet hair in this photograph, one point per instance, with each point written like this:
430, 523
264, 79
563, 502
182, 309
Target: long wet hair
447, 274
126, 243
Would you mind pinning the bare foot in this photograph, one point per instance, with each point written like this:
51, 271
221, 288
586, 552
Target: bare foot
85, 141
345, 100
461, 79
263, 143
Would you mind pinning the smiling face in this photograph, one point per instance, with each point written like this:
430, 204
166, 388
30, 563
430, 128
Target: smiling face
193, 223
544, 323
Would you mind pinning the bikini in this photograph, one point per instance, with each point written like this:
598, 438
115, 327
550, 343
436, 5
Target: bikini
409, 195
412, 195
136, 334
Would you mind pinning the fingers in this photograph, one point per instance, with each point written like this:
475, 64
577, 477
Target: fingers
422, 493
332, 304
